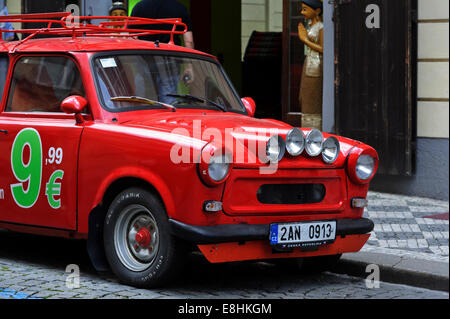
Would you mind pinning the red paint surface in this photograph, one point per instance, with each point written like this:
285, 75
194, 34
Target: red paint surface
254, 250
438, 216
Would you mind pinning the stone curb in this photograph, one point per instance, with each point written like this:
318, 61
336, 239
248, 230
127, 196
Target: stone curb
407, 270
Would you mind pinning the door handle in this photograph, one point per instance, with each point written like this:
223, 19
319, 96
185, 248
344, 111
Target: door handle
4, 131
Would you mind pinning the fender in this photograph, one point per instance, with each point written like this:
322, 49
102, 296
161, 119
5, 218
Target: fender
128, 172
138, 173
96, 214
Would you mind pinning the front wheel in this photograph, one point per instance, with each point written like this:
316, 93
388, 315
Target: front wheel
138, 244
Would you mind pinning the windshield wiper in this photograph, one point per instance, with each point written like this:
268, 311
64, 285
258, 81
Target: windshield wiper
142, 100
198, 99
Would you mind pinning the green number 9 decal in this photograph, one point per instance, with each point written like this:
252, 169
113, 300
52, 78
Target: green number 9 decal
30, 172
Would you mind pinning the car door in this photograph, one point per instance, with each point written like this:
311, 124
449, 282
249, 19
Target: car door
39, 144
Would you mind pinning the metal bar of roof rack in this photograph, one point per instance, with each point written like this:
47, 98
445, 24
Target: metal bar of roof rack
14, 48
65, 26
36, 15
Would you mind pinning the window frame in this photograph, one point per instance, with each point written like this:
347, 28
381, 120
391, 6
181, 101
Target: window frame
95, 56
14, 62
6, 84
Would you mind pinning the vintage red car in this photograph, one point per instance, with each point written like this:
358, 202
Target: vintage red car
145, 150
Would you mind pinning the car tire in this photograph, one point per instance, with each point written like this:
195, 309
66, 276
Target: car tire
138, 244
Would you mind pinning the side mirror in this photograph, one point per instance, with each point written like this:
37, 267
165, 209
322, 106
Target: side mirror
74, 104
250, 105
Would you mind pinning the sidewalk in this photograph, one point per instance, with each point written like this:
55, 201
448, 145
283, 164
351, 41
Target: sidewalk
409, 242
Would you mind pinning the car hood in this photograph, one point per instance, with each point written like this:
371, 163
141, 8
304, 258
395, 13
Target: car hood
238, 133
222, 121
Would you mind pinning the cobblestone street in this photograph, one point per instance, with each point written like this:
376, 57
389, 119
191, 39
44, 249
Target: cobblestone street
412, 224
35, 267
201, 280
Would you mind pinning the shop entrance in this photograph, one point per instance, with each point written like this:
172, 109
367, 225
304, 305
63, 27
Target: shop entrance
303, 49
217, 30
32, 6
376, 58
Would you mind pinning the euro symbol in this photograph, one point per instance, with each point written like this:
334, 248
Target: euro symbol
53, 189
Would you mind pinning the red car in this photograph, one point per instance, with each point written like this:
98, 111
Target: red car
146, 150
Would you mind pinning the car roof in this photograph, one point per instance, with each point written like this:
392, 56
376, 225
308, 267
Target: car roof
90, 44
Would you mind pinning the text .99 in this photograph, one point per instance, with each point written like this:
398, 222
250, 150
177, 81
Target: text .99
55, 155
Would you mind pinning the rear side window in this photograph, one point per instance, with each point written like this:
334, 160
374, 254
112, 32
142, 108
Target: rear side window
40, 84
4, 65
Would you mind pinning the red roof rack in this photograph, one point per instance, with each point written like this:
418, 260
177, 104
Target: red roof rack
77, 26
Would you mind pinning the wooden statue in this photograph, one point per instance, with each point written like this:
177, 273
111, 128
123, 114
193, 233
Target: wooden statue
311, 88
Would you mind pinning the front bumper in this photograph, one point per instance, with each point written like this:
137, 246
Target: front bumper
202, 235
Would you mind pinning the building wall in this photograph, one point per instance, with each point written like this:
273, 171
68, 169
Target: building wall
95, 8
433, 66
260, 15
431, 178
14, 7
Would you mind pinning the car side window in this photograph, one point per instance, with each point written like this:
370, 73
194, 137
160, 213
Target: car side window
4, 66
40, 84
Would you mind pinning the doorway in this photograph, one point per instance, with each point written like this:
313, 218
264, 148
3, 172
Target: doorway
43, 6
375, 79
217, 30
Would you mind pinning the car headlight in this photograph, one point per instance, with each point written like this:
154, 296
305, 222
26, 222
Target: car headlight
314, 142
365, 166
362, 164
331, 149
295, 142
218, 168
275, 148
215, 165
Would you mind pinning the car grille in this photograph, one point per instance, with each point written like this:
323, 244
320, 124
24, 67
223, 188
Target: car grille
291, 194
285, 192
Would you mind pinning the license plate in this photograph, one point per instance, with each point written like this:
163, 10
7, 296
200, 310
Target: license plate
303, 234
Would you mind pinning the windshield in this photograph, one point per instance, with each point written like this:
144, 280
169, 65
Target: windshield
128, 82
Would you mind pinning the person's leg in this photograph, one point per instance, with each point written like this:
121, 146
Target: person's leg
168, 84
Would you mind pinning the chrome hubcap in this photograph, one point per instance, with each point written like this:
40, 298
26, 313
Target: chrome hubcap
136, 238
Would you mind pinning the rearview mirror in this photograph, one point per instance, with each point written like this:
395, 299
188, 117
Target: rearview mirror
250, 105
74, 104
